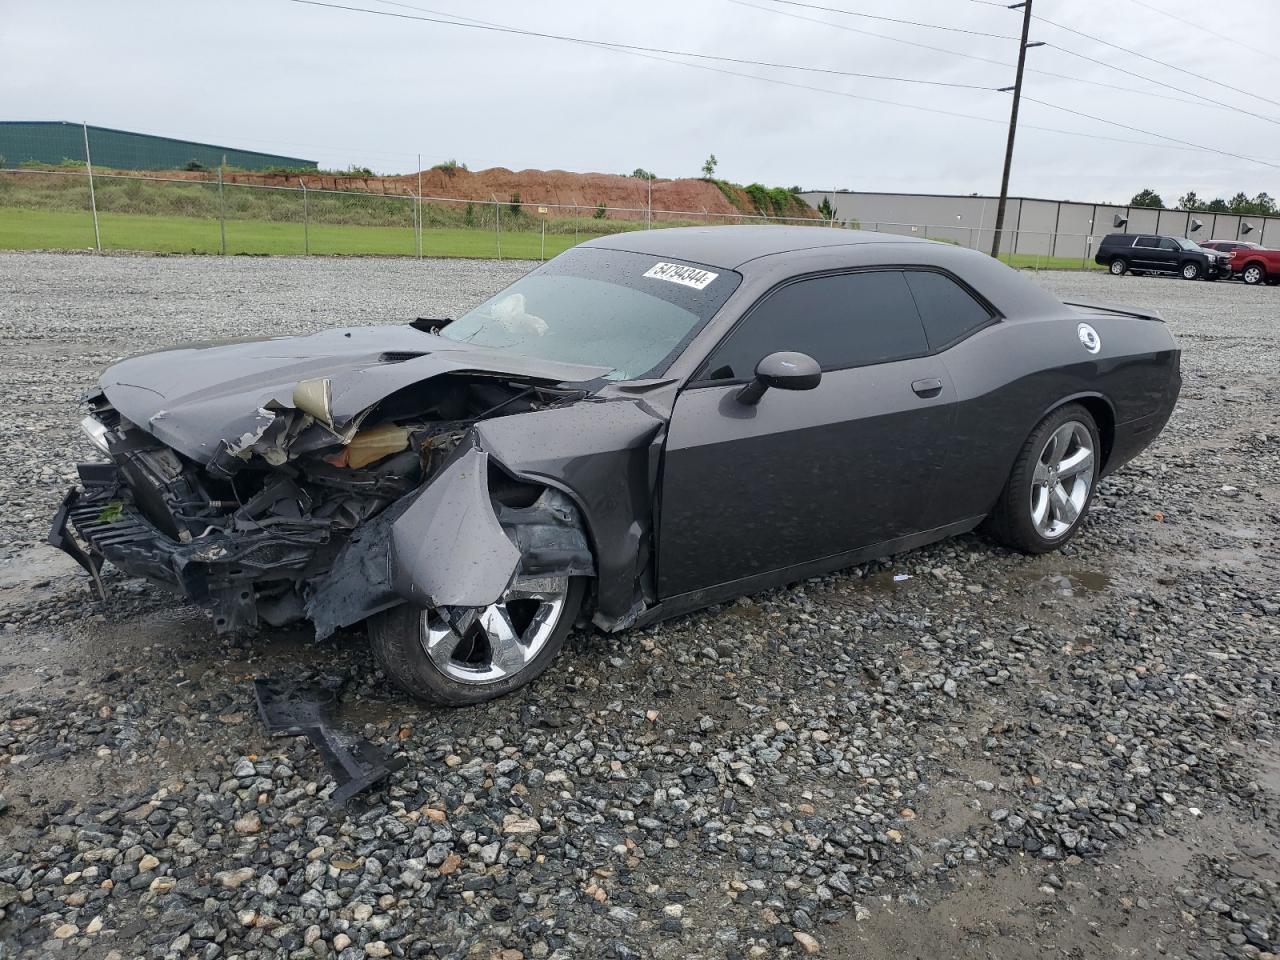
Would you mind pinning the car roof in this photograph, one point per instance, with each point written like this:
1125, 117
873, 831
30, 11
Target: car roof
731, 247
767, 255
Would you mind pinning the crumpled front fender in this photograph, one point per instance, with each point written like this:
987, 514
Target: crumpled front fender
448, 549
445, 544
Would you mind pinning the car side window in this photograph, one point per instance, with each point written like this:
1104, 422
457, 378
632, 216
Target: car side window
949, 311
1145, 242
843, 320
1168, 245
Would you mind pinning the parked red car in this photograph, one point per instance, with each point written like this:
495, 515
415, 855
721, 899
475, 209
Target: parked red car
1251, 263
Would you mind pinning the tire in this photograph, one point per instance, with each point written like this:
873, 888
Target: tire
1254, 274
1273, 281
1191, 271
399, 638
1118, 266
1031, 483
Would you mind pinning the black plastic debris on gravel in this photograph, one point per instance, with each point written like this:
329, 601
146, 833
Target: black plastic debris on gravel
302, 709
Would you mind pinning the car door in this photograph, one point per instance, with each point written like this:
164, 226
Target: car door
1169, 253
805, 475
1146, 254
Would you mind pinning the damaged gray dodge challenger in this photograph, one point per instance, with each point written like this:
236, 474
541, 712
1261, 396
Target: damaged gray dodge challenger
647, 424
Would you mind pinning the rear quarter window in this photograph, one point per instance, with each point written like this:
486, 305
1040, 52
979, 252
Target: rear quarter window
950, 313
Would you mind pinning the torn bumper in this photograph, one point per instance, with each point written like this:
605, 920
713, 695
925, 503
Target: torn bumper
100, 520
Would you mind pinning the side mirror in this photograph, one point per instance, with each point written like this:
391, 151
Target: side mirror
786, 371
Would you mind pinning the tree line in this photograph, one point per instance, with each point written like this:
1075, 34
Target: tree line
1260, 206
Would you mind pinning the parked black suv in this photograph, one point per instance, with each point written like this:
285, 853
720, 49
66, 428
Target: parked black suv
1142, 253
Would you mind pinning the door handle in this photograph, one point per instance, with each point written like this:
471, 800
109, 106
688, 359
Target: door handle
927, 388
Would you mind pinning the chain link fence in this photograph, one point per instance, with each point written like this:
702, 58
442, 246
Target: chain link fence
67, 204
77, 208
73, 209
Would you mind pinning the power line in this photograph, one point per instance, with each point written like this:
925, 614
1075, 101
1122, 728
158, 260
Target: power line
909, 23
654, 54
1204, 29
1199, 99
1143, 56
741, 61
1131, 73
913, 106
1149, 133
872, 33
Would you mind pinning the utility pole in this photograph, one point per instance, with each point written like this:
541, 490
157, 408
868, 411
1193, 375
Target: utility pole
93, 199
306, 220
222, 206
1013, 121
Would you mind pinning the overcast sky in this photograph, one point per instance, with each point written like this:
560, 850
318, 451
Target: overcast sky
344, 87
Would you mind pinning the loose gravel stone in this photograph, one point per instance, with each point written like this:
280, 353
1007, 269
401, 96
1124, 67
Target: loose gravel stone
1020, 747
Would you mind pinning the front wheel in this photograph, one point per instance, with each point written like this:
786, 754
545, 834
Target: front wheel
1118, 267
1191, 271
1254, 274
458, 657
1052, 483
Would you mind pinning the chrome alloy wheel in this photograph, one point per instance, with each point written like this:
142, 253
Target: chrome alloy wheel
1062, 478
487, 644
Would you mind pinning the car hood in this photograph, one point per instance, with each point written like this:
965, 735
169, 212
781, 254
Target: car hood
196, 396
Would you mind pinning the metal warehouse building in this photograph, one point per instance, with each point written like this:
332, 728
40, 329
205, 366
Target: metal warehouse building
1051, 228
53, 141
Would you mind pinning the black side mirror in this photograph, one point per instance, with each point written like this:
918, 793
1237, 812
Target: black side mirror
784, 370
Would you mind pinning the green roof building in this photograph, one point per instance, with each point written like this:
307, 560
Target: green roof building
53, 141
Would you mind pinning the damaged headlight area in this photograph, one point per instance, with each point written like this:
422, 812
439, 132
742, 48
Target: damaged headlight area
251, 533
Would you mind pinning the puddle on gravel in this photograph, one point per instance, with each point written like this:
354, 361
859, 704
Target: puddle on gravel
401, 712
33, 569
287, 651
1268, 773
1067, 583
887, 581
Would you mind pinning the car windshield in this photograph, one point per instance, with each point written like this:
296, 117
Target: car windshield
629, 312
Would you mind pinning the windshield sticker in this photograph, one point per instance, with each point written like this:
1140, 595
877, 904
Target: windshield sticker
685, 276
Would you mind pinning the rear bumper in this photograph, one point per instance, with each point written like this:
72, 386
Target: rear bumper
227, 574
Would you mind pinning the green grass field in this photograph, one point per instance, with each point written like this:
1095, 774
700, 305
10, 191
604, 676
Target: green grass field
22, 229
1029, 261
44, 229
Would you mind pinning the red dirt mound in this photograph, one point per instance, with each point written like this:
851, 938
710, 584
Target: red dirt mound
628, 197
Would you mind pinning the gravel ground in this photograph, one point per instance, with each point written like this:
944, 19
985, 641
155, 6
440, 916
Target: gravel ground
1073, 755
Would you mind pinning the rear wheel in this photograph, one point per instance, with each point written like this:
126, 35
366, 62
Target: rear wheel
1052, 483
1254, 274
1118, 266
460, 656
1191, 271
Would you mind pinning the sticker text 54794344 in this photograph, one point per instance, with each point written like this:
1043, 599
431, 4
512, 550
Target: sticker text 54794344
678, 273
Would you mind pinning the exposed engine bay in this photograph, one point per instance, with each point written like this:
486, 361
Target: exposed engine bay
251, 532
